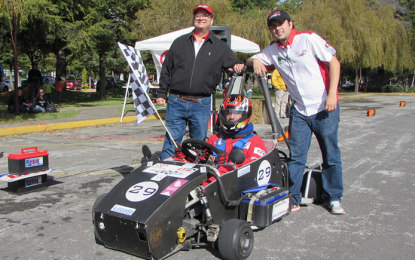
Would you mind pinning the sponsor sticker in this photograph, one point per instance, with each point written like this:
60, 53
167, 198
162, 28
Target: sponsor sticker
32, 162
264, 173
172, 188
280, 208
243, 171
247, 145
188, 165
259, 151
33, 181
141, 191
122, 210
158, 177
176, 171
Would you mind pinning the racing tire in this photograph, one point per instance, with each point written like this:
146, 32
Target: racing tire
236, 240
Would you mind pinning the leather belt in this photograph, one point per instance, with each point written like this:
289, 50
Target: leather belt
188, 98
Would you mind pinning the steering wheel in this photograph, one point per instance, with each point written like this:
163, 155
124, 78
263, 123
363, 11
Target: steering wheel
199, 151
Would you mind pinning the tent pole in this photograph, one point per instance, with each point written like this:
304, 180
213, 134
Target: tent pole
125, 97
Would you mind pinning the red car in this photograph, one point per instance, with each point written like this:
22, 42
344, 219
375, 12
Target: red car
73, 84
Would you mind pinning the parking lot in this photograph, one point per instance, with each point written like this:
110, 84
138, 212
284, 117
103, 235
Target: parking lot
379, 183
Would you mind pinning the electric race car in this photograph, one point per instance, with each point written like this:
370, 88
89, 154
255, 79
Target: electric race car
163, 207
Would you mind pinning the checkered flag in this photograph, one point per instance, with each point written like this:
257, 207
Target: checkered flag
139, 83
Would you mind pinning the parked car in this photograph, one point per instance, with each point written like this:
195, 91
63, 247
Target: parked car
349, 86
4, 86
73, 84
110, 82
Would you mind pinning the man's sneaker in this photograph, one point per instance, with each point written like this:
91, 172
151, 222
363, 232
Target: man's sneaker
295, 208
336, 208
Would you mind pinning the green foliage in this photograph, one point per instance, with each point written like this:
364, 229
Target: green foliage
366, 34
72, 35
84, 79
256, 92
244, 5
6, 117
392, 88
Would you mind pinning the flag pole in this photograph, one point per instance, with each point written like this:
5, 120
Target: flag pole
140, 83
167, 130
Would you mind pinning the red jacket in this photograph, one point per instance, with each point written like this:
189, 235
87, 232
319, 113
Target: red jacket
254, 149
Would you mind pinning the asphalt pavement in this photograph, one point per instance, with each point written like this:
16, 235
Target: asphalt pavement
88, 160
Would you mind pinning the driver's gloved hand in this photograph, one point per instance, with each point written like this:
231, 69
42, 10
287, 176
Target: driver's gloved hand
178, 154
222, 158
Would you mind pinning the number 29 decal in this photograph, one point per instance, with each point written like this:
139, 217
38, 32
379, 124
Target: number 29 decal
141, 191
264, 173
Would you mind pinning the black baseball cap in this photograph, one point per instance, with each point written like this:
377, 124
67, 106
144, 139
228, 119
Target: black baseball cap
278, 15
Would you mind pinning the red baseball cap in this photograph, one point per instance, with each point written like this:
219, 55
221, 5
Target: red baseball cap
203, 7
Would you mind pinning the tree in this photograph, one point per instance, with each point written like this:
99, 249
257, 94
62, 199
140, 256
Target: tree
410, 5
107, 23
365, 34
243, 5
36, 36
14, 12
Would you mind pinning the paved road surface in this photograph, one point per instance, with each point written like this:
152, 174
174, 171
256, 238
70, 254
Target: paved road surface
377, 152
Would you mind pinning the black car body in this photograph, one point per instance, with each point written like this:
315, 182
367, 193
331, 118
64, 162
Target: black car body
166, 206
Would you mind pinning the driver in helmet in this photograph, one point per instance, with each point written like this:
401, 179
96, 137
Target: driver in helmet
236, 131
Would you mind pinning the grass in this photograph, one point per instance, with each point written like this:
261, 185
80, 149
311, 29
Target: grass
70, 99
79, 99
27, 117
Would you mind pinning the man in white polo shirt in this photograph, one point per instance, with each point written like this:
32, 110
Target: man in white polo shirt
311, 71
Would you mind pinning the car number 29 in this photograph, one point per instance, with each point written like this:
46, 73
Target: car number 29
141, 191
264, 173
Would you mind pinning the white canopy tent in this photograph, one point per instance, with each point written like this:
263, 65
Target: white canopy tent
161, 44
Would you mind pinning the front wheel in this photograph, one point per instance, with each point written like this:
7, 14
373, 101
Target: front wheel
236, 240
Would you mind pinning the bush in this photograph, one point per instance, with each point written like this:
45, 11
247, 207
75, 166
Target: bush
392, 88
256, 92
411, 90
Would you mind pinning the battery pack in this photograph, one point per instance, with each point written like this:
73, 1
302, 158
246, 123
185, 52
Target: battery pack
264, 205
29, 160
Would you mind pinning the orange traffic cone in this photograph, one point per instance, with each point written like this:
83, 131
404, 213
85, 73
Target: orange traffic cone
402, 104
371, 112
281, 138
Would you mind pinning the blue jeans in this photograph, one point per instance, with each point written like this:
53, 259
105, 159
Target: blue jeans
325, 126
180, 113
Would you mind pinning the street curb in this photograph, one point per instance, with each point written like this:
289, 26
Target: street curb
67, 125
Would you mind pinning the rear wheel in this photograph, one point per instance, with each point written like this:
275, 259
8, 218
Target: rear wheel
236, 240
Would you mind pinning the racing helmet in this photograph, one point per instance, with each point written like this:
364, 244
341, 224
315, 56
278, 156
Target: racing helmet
235, 104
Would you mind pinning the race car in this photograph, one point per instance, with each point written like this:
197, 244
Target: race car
163, 207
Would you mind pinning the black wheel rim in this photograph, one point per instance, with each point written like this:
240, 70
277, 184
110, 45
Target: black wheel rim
245, 244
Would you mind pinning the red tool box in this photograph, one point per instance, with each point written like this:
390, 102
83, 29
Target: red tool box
28, 160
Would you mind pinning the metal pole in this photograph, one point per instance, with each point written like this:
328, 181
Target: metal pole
125, 97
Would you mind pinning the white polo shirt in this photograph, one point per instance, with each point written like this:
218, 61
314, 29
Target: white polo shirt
303, 65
